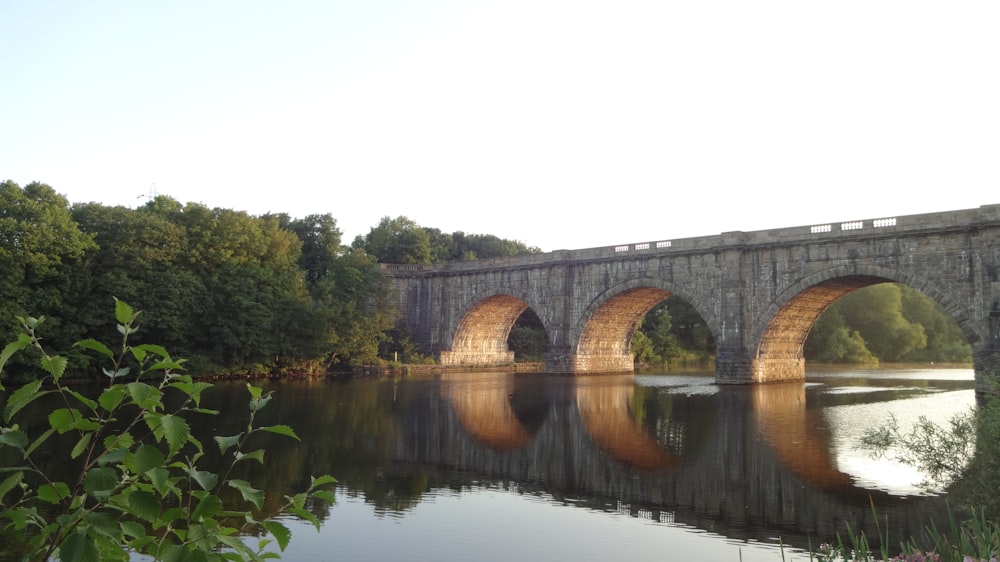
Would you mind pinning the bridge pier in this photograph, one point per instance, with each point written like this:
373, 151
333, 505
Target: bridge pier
740, 367
477, 358
564, 362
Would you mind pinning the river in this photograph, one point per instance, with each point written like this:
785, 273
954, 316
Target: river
498, 466
504, 466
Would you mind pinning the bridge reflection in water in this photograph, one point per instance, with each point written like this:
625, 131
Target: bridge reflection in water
746, 462
703, 461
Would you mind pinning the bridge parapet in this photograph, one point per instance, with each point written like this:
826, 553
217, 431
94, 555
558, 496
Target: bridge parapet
841, 230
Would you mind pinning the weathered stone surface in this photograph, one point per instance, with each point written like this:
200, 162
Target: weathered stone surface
758, 292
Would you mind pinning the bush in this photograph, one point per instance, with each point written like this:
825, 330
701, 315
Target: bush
138, 486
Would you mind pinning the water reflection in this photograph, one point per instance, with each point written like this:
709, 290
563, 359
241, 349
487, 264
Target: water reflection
748, 464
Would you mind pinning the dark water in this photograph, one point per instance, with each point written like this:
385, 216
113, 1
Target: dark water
498, 466
646, 467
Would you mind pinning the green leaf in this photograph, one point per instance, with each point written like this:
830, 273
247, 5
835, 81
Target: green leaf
10, 349
37, 442
282, 430
22, 397
10, 483
207, 480
207, 507
55, 366
323, 480
306, 515
279, 532
14, 438
257, 455
111, 397
249, 493
226, 442
83, 399
133, 529
176, 431
81, 446
123, 312
97, 346
144, 505
152, 348
101, 479
145, 396
325, 495
65, 419
79, 547
145, 458
54, 492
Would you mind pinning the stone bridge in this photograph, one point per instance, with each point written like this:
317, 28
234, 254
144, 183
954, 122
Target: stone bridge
758, 292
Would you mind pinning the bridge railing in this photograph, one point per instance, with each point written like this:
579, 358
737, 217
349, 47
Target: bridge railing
948, 219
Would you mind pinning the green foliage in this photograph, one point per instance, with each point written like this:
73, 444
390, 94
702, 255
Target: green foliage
887, 322
401, 240
137, 484
672, 331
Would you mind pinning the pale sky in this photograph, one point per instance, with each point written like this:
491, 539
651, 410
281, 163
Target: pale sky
563, 124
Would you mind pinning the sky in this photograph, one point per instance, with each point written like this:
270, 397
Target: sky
561, 124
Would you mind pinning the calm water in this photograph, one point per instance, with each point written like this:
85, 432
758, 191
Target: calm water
499, 467
646, 467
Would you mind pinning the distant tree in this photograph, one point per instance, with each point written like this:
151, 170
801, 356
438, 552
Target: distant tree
398, 240
40, 244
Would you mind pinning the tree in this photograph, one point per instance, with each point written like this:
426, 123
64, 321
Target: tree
39, 244
398, 240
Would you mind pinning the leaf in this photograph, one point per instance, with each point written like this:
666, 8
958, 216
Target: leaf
111, 397
10, 483
249, 493
323, 480
102, 479
144, 505
123, 312
306, 515
94, 345
175, 430
55, 366
279, 532
226, 442
325, 495
83, 399
207, 507
257, 455
10, 349
81, 446
145, 396
37, 442
282, 430
14, 438
145, 458
22, 397
64, 419
79, 547
154, 349
207, 480
54, 492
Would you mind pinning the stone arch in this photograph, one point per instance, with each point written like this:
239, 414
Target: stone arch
779, 333
603, 333
480, 336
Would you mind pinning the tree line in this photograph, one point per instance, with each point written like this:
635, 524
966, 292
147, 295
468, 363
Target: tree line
231, 292
240, 294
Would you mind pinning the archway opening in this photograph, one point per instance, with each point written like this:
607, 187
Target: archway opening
673, 334
887, 323
484, 333
528, 339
